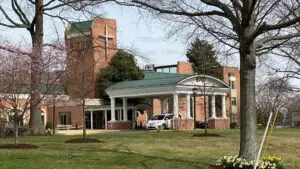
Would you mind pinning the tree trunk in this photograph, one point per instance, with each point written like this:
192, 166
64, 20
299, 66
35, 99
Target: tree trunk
16, 133
36, 66
83, 119
248, 117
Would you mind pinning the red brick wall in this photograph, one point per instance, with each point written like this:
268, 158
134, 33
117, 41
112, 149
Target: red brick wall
184, 68
86, 56
119, 125
219, 123
234, 70
156, 107
76, 114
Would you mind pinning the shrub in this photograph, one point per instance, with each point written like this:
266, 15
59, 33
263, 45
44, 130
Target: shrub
233, 125
260, 126
48, 125
234, 162
10, 132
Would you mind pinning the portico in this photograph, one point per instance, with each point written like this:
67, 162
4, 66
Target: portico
176, 87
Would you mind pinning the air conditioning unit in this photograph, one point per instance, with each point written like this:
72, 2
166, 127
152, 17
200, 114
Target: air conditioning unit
149, 67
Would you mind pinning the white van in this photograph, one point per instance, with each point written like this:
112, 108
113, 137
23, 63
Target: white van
162, 121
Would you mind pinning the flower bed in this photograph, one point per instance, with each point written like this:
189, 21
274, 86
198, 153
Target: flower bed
234, 162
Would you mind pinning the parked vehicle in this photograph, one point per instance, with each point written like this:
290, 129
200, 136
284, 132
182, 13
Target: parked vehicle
162, 121
201, 124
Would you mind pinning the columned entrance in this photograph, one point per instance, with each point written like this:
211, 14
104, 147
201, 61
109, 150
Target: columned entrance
179, 90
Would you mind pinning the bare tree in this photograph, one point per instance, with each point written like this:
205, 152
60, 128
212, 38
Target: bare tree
29, 15
270, 95
16, 84
250, 27
80, 77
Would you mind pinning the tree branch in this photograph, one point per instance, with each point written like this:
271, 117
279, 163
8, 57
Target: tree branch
260, 42
185, 13
16, 25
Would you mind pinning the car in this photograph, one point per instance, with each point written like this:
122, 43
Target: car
201, 124
162, 121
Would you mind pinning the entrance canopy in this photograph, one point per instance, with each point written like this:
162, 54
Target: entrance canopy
157, 83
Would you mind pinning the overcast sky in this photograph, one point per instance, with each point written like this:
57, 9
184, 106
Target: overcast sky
147, 37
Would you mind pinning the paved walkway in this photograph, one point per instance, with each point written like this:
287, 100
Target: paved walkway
79, 132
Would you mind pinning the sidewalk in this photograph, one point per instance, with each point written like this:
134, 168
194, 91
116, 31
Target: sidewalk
79, 132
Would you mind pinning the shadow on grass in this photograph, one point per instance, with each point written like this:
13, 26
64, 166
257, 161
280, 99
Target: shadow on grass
84, 140
18, 146
127, 155
207, 135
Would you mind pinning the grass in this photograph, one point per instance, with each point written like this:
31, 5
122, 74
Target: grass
142, 150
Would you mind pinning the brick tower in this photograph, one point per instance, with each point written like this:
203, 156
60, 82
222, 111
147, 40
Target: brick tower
90, 46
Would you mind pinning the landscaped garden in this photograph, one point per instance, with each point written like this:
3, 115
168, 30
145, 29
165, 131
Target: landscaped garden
142, 150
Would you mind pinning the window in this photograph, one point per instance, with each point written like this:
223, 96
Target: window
159, 70
230, 74
119, 115
170, 117
170, 69
166, 70
192, 107
43, 117
233, 101
65, 118
173, 69
158, 117
232, 84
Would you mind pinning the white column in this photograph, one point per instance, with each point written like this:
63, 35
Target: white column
105, 116
224, 107
112, 109
125, 114
213, 106
92, 127
175, 104
188, 105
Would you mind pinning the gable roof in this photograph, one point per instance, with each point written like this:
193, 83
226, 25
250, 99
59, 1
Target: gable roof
79, 27
151, 78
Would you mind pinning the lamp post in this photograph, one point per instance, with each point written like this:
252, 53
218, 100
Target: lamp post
194, 95
204, 106
53, 113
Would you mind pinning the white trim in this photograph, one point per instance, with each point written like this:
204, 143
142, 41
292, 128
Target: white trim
204, 76
162, 90
73, 35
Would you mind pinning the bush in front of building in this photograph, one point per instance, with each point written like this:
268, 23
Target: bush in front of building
234, 162
233, 125
48, 125
10, 132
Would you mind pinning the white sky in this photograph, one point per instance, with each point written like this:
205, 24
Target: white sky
148, 38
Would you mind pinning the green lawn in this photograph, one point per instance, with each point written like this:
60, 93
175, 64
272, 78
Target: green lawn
142, 150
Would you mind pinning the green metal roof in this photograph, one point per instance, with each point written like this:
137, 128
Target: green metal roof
151, 79
46, 89
79, 27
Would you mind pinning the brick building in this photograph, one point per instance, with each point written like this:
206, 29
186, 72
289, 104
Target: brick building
165, 89
90, 46
229, 75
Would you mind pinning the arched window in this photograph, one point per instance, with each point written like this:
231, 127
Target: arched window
43, 117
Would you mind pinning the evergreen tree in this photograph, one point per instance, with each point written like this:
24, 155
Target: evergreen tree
122, 67
203, 59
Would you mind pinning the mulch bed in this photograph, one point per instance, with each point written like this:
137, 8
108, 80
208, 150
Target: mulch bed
17, 146
84, 140
207, 135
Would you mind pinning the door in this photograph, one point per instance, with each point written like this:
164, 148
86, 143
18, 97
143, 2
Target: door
99, 119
